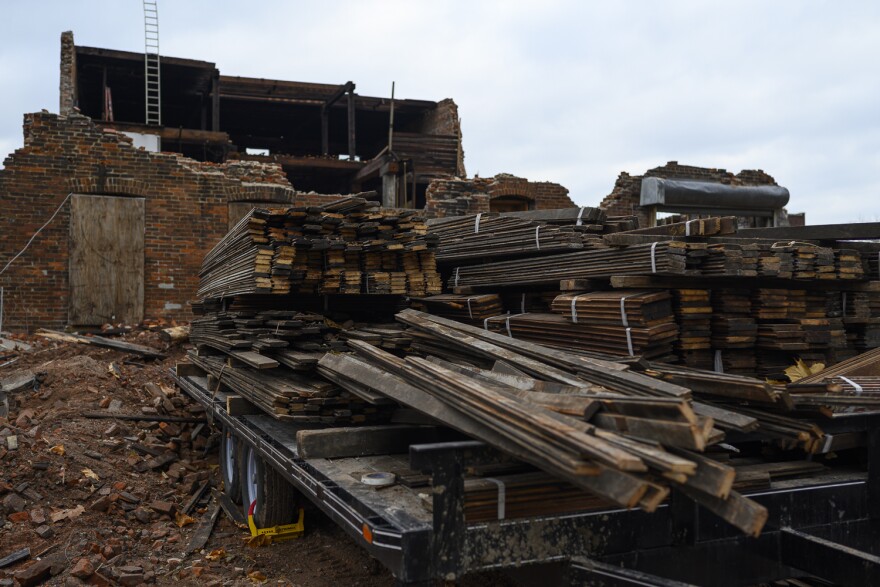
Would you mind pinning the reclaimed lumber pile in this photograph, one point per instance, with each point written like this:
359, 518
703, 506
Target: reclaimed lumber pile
347, 246
693, 313
661, 258
473, 239
625, 445
466, 308
290, 397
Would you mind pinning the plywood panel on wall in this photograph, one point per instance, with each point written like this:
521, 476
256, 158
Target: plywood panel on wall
106, 260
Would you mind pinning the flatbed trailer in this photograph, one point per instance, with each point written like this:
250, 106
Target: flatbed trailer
826, 526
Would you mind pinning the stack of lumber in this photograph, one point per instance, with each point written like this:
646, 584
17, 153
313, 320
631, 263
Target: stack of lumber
693, 314
661, 258
557, 331
698, 227
469, 239
621, 322
734, 331
386, 336
348, 246
290, 397
624, 437
466, 308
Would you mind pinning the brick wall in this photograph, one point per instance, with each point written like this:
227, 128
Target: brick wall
459, 197
185, 205
444, 120
625, 197
67, 86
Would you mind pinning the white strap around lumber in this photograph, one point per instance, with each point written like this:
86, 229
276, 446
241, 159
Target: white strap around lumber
501, 495
654, 257
477, 223
537, 240
855, 385
719, 363
629, 342
580, 219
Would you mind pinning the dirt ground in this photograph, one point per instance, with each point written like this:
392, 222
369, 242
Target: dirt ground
100, 500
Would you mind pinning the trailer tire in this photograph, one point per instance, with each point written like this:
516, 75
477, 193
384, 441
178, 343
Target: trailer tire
230, 464
276, 500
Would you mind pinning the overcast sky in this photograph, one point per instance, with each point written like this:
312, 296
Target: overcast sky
566, 91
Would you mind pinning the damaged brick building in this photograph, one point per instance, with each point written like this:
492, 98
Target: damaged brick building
135, 206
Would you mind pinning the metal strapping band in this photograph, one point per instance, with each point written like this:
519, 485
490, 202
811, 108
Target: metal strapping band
537, 242
654, 257
855, 385
629, 341
501, 496
486, 324
719, 364
477, 223
522, 304
623, 311
507, 323
471, 314
687, 227
574, 310
580, 219
456, 276
843, 301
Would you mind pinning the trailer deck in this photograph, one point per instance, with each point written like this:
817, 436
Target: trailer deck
817, 525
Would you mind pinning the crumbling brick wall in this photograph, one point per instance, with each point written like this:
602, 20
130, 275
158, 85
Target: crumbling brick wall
624, 199
67, 86
444, 120
459, 197
186, 207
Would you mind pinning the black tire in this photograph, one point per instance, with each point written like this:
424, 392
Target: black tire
276, 500
230, 465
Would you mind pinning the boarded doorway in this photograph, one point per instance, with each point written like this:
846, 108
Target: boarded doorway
106, 260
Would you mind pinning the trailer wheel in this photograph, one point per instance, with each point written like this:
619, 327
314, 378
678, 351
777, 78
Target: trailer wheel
230, 459
276, 500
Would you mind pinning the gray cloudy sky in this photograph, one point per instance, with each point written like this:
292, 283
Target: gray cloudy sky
565, 91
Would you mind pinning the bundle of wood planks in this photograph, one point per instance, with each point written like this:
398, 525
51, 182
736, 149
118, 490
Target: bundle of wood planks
624, 437
348, 246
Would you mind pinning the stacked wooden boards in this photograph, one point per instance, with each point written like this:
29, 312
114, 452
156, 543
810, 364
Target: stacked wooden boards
661, 257
624, 437
348, 246
617, 322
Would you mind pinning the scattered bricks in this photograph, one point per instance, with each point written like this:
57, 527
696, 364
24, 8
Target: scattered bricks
24, 418
38, 516
35, 574
142, 515
99, 580
164, 508
114, 430
83, 568
120, 485
18, 517
130, 570
129, 497
101, 504
14, 503
169, 430
161, 461
45, 532
32, 494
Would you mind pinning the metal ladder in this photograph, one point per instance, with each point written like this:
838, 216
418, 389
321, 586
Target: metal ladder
153, 86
